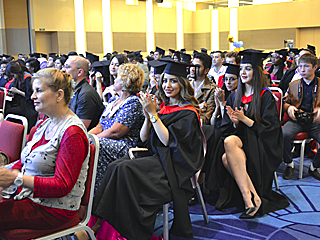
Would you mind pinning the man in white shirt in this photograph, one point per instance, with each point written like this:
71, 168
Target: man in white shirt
216, 67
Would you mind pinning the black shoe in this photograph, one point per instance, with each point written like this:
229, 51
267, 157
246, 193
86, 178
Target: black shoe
288, 173
248, 211
315, 173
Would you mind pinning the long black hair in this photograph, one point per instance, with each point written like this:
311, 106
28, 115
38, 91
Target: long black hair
258, 83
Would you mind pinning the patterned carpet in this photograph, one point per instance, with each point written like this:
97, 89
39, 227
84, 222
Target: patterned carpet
301, 220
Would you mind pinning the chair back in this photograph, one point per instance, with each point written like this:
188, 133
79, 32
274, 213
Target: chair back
277, 92
13, 137
87, 197
3, 93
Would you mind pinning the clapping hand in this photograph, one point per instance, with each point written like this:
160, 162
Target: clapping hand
236, 115
149, 104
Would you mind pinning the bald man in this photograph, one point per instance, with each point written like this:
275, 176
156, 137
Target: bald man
86, 103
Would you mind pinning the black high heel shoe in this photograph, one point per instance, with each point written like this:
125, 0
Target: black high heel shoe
248, 211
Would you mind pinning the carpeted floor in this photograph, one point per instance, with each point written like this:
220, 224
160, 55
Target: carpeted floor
301, 220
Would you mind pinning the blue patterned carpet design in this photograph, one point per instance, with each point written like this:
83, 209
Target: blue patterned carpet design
301, 220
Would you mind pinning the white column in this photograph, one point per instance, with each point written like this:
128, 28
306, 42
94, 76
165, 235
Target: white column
233, 3
107, 30
233, 26
80, 30
150, 29
3, 42
215, 30
180, 43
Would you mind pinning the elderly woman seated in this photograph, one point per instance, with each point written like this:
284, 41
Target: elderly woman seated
48, 180
122, 119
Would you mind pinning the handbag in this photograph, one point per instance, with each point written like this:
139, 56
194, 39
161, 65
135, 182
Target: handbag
4, 159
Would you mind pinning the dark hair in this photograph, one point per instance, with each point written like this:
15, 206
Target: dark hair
204, 58
62, 60
221, 53
56, 80
258, 82
281, 67
54, 57
139, 59
34, 63
121, 58
186, 92
108, 56
309, 58
15, 67
131, 57
178, 55
234, 55
72, 54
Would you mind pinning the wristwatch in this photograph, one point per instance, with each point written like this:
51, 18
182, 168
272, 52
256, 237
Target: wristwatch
154, 118
18, 181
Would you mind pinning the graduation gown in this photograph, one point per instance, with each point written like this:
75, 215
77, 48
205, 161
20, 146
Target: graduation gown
132, 190
263, 147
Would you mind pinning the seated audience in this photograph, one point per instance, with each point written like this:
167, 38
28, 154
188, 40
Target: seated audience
33, 65
217, 69
133, 190
203, 88
278, 67
251, 149
20, 89
302, 97
232, 58
50, 185
156, 69
86, 103
122, 119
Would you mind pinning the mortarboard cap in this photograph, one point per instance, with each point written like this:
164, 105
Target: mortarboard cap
102, 67
282, 52
232, 69
92, 57
158, 66
53, 55
253, 57
137, 53
160, 51
44, 55
72, 54
35, 55
185, 57
126, 51
64, 55
172, 50
176, 68
204, 50
183, 50
195, 51
312, 48
294, 50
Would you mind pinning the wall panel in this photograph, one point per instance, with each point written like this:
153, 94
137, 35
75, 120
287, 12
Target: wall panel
129, 41
66, 42
43, 42
223, 41
166, 41
94, 42
188, 41
267, 38
17, 41
201, 40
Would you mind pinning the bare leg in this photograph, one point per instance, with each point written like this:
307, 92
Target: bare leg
82, 235
235, 162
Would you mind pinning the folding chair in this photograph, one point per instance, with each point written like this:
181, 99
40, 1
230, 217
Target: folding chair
87, 197
277, 92
13, 136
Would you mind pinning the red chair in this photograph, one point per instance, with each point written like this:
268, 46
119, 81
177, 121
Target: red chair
3, 93
13, 136
277, 92
86, 205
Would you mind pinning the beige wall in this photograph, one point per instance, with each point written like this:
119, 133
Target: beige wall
260, 26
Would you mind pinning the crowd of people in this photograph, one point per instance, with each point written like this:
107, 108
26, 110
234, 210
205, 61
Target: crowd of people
202, 112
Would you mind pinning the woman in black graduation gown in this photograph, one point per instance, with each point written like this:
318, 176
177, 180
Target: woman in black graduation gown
251, 147
132, 190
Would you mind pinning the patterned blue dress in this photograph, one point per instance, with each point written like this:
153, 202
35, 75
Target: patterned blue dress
130, 114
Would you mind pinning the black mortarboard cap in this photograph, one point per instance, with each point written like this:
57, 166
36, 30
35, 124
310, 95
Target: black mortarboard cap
160, 50
176, 68
72, 54
92, 57
195, 51
44, 55
64, 55
186, 57
253, 56
183, 50
53, 55
283, 52
35, 55
294, 50
172, 50
204, 50
232, 69
312, 48
126, 51
178, 54
137, 53
102, 67
158, 66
